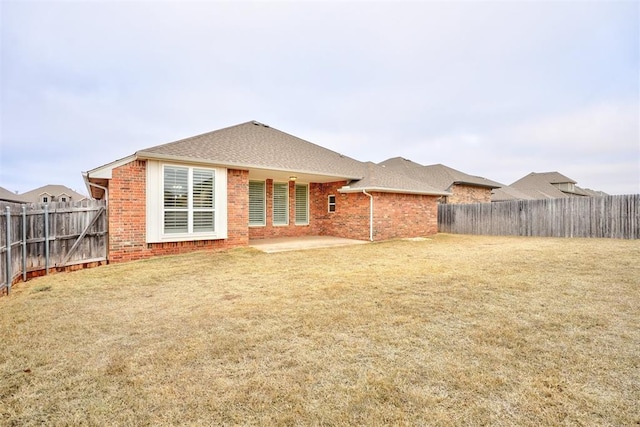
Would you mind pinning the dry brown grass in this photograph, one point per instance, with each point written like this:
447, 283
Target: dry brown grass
455, 330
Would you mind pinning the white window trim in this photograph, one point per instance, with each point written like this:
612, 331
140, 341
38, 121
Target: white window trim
334, 204
264, 205
273, 205
155, 204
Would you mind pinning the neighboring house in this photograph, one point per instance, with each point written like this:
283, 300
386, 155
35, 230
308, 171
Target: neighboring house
464, 188
250, 181
548, 185
9, 196
52, 193
507, 194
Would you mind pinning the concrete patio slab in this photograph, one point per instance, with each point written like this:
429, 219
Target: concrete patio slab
300, 243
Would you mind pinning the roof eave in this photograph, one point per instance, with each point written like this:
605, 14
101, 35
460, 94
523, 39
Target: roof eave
475, 184
392, 190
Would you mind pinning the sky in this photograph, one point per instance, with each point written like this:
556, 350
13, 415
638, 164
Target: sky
497, 89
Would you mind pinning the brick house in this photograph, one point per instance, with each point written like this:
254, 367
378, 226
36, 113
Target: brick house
463, 188
250, 181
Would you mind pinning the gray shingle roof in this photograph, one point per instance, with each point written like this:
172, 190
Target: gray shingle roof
255, 145
379, 178
33, 196
438, 176
9, 196
269, 153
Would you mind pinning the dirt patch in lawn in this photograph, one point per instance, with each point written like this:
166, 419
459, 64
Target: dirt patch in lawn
454, 330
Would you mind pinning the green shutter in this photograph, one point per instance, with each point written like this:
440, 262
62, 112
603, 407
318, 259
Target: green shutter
302, 204
280, 203
256, 203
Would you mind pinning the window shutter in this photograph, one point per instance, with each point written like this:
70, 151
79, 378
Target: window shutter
280, 203
256, 203
176, 200
302, 204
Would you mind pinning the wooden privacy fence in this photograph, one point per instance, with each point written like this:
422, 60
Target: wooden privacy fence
40, 237
610, 216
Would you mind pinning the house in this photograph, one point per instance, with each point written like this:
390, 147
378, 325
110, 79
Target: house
9, 196
52, 193
464, 188
547, 185
251, 181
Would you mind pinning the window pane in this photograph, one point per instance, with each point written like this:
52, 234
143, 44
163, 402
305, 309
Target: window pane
203, 181
176, 187
256, 203
175, 222
302, 204
280, 203
203, 221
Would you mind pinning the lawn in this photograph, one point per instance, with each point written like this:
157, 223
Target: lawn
453, 330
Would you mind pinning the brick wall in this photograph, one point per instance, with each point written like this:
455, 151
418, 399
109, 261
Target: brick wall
468, 194
404, 215
127, 216
395, 215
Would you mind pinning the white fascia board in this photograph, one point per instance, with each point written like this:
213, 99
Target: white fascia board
105, 171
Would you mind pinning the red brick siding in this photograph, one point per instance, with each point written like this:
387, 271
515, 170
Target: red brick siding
404, 215
395, 215
468, 194
127, 216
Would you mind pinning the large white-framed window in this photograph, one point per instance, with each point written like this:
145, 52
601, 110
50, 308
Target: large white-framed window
302, 204
185, 202
257, 203
280, 203
188, 200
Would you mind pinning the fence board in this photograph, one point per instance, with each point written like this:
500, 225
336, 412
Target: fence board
610, 217
69, 224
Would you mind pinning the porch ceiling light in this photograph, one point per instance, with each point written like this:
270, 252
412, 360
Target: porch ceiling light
293, 178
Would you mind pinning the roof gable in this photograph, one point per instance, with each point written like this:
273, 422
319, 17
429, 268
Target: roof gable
256, 145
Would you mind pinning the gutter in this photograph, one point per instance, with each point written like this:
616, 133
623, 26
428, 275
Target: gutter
370, 214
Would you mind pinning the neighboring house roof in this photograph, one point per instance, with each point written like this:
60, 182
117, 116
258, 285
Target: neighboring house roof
507, 193
56, 191
438, 176
551, 185
9, 196
270, 153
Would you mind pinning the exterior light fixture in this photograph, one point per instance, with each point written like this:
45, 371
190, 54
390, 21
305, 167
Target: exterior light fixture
293, 178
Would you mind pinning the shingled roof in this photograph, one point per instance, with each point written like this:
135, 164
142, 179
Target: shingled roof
256, 145
269, 153
437, 176
9, 196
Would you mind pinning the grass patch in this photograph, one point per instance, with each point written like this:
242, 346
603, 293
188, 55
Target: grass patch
454, 330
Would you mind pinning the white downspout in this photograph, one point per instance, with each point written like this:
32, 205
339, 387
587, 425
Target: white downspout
370, 214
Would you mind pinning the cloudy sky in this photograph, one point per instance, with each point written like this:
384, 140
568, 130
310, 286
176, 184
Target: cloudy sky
496, 89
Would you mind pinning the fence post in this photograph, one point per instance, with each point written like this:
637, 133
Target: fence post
46, 239
9, 274
24, 243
